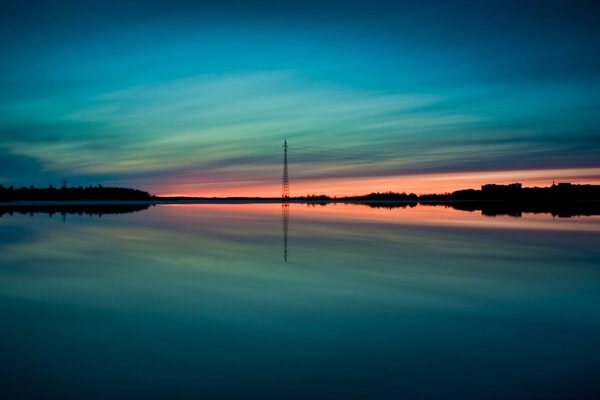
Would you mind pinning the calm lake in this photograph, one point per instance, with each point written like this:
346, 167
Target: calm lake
297, 301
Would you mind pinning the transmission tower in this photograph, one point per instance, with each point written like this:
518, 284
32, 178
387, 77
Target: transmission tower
285, 187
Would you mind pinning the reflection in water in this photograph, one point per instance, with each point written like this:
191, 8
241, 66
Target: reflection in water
496, 208
79, 209
191, 301
490, 208
285, 217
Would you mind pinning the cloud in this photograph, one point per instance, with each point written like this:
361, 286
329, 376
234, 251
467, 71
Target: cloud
226, 129
209, 118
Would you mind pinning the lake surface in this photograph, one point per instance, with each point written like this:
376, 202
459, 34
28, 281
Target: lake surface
214, 301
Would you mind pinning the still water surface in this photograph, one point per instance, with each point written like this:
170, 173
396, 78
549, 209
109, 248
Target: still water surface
204, 301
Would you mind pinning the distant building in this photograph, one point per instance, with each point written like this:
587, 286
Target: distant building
491, 187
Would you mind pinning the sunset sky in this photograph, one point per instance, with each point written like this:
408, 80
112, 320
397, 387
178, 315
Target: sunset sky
195, 99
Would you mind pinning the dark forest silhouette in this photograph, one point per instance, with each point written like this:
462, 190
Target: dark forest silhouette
561, 193
80, 193
563, 200
90, 200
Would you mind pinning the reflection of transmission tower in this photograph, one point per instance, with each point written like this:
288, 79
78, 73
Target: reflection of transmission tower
285, 217
285, 187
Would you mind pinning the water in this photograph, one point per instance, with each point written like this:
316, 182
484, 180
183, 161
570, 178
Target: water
199, 301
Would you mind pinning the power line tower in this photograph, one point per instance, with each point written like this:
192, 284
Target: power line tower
285, 197
285, 187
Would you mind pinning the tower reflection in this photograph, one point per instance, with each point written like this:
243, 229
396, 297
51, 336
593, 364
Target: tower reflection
285, 218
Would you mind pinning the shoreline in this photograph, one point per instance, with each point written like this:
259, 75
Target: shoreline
515, 208
279, 201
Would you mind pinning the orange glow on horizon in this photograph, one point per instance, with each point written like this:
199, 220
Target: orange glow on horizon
418, 184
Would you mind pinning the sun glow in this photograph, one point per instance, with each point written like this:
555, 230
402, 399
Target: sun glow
419, 184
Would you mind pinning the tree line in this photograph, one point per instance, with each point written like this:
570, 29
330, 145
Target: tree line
79, 193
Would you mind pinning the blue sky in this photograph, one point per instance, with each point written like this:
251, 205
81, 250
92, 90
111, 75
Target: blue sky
197, 98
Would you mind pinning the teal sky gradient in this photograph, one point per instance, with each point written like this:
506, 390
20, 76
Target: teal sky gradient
198, 99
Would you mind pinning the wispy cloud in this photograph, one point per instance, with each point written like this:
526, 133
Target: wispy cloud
220, 131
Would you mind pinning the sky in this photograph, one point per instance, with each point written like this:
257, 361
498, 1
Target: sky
196, 98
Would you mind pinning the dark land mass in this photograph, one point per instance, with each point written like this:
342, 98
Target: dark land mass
561, 193
562, 200
91, 200
89, 193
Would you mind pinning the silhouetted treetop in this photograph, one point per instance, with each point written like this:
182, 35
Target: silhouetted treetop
89, 193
